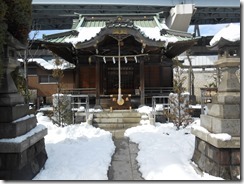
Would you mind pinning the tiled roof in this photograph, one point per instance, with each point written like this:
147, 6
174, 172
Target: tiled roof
86, 29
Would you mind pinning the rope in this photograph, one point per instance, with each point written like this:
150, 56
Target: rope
120, 100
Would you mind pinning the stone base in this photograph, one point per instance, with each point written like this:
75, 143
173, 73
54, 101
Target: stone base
219, 162
21, 158
24, 165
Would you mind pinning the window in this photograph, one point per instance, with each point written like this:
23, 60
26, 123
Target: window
47, 79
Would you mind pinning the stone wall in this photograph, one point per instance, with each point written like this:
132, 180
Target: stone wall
23, 165
223, 162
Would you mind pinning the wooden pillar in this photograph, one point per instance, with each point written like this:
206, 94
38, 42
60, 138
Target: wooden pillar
97, 106
77, 75
142, 82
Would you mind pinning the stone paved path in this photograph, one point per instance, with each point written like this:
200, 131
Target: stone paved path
124, 165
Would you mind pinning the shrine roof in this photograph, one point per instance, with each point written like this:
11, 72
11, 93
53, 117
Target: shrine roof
87, 29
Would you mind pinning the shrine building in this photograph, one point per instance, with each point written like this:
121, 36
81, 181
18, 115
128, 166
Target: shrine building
121, 60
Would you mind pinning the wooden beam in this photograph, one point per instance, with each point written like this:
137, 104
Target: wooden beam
97, 106
142, 82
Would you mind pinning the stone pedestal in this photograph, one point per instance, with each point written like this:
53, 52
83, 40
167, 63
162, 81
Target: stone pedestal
22, 147
217, 146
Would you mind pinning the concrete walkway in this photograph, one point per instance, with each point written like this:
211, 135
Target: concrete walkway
124, 165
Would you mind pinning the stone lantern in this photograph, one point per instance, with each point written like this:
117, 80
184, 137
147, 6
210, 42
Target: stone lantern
217, 146
22, 147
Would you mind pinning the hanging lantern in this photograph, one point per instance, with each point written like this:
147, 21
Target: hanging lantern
104, 60
114, 60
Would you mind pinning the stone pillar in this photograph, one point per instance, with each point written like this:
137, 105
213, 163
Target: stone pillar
214, 153
22, 147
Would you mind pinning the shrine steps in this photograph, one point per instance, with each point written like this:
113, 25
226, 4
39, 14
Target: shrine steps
116, 119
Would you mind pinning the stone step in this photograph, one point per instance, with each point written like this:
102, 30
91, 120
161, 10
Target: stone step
109, 126
117, 114
116, 120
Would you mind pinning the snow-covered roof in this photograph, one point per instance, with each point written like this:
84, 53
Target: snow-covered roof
84, 30
50, 64
231, 33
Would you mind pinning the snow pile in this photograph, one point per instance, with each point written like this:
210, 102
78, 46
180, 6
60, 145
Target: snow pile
24, 118
221, 136
154, 34
231, 33
76, 152
144, 109
165, 154
50, 64
85, 34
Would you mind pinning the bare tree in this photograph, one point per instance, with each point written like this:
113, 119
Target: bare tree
26, 55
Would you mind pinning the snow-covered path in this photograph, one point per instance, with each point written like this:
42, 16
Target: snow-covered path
165, 153
83, 152
76, 152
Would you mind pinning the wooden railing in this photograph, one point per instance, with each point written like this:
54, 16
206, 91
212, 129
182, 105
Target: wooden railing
156, 91
151, 91
163, 101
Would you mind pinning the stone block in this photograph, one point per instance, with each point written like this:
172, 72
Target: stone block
16, 147
235, 172
213, 140
235, 157
217, 161
233, 143
15, 129
224, 111
206, 122
204, 163
219, 156
200, 134
28, 171
229, 126
12, 98
227, 98
224, 172
223, 156
219, 125
12, 113
21, 166
196, 156
201, 146
2, 161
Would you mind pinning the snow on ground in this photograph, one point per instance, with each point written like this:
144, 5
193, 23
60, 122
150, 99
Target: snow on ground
83, 152
76, 152
165, 153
